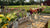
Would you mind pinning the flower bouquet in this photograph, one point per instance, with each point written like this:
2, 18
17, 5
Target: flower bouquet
40, 9
4, 20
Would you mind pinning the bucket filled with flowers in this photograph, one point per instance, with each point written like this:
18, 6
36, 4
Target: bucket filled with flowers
35, 12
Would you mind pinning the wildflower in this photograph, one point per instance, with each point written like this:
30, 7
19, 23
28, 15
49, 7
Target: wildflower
12, 8
16, 8
35, 10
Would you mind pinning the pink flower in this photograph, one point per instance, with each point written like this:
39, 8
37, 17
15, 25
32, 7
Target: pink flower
33, 10
12, 8
16, 8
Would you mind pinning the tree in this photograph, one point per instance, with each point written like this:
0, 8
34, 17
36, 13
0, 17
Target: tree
32, 2
17, 3
21, 2
40, 1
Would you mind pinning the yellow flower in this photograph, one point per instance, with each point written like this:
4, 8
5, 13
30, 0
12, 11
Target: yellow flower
0, 20
1, 15
4, 26
14, 13
8, 18
8, 15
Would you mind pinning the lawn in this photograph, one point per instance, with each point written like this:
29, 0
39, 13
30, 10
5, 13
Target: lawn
27, 7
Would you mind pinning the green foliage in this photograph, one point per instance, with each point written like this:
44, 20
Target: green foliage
19, 2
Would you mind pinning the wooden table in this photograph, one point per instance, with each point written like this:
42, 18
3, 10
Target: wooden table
43, 23
24, 25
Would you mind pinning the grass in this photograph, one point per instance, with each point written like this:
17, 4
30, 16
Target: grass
27, 7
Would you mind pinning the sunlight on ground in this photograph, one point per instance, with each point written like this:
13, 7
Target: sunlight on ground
47, 16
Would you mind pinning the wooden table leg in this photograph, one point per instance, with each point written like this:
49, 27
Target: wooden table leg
46, 26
